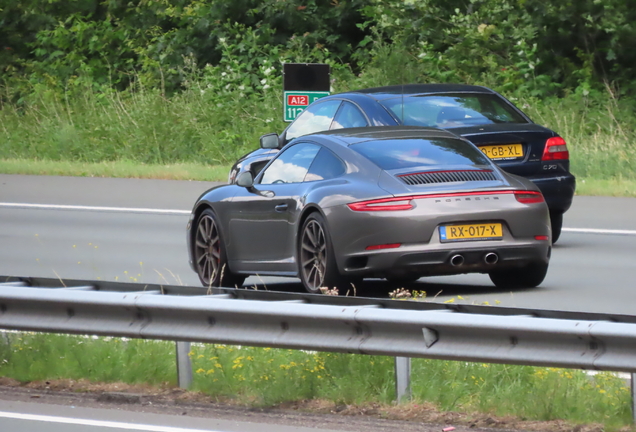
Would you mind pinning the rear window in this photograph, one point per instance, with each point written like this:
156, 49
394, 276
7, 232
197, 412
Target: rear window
452, 110
392, 154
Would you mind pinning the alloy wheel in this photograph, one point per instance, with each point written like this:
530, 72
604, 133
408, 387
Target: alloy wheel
207, 249
313, 258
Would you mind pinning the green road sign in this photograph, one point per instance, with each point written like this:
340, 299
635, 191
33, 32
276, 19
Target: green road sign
297, 101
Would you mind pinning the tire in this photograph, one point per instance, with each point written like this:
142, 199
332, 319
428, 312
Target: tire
210, 259
316, 260
529, 276
556, 222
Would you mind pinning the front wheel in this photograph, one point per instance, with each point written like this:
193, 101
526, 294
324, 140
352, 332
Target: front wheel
529, 276
316, 260
210, 259
556, 222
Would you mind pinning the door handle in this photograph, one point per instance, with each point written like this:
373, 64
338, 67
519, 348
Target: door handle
281, 207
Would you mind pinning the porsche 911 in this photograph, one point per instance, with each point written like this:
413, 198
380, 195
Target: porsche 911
397, 203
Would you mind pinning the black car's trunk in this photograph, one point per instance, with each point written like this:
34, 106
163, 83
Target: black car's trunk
517, 148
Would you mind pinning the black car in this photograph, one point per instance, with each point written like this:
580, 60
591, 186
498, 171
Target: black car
394, 202
501, 131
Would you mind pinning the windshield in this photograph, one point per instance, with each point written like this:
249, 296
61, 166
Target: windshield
392, 154
452, 110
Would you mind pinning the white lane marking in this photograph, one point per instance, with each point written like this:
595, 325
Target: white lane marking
94, 208
99, 423
599, 231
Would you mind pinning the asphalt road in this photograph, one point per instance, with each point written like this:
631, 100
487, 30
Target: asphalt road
50, 411
56, 415
134, 230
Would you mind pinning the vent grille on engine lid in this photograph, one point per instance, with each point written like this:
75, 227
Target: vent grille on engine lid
447, 176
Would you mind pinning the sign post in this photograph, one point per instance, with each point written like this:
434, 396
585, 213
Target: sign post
303, 83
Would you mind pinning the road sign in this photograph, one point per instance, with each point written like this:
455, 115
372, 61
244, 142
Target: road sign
297, 101
303, 83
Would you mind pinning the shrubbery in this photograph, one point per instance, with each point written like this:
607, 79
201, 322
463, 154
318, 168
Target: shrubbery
542, 48
164, 81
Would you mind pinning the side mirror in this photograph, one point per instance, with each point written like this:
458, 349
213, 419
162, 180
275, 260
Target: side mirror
269, 141
245, 179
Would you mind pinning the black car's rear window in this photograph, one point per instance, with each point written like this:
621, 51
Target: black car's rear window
452, 110
392, 154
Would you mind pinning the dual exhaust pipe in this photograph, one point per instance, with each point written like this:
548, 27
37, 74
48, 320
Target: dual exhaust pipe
490, 258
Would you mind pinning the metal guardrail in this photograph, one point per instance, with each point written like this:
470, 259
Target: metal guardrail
324, 323
404, 329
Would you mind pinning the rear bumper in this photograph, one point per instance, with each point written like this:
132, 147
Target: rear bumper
401, 263
557, 190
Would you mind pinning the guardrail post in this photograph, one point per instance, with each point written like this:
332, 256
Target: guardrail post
402, 378
633, 397
184, 365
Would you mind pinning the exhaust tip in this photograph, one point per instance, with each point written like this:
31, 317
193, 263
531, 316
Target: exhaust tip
457, 260
491, 258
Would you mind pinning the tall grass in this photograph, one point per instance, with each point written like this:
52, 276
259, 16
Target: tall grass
264, 377
141, 126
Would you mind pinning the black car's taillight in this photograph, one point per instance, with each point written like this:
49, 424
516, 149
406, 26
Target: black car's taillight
555, 149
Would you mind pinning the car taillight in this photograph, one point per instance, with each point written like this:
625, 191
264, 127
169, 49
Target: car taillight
555, 149
385, 204
529, 197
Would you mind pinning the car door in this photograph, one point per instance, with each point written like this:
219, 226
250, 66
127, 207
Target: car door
262, 235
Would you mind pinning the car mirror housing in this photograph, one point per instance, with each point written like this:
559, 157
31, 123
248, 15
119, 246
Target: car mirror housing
245, 179
269, 141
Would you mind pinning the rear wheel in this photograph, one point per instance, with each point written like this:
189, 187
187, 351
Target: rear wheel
210, 259
316, 260
556, 222
529, 276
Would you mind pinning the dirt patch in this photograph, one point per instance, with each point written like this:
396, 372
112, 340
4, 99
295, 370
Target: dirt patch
422, 413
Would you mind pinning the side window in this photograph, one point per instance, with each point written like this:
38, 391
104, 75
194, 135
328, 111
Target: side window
292, 165
315, 118
501, 114
349, 116
325, 166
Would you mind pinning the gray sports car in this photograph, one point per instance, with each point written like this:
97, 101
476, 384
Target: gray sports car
387, 202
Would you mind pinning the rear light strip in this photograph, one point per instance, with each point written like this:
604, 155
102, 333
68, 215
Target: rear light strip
406, 203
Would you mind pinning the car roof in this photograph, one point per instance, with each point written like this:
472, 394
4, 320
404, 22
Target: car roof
387, 92
350, 136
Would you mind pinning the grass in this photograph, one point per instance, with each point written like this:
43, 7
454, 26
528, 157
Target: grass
124, 169
139, 126
606, 187
266, 377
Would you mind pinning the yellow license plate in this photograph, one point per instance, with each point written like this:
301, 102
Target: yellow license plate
481, 231
503, 151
